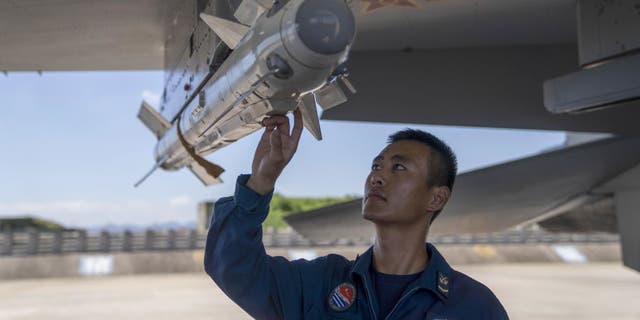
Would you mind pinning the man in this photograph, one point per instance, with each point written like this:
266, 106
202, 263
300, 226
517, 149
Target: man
399, 277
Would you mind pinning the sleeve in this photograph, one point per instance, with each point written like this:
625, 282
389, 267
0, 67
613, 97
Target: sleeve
235, 258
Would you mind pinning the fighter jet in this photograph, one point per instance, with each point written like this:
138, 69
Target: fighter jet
536, 64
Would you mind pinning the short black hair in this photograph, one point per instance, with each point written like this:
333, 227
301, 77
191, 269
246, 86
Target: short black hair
443, 167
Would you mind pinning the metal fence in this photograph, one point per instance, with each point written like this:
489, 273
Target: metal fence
60, 242
524, 237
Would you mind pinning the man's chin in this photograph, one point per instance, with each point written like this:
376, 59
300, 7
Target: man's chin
372, 214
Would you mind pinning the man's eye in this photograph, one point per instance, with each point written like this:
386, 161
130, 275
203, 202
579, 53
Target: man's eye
399, 166
375, 166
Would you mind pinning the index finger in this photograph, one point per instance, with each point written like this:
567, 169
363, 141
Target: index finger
274, 121
297, 125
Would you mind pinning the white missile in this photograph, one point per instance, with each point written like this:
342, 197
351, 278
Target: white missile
290, 57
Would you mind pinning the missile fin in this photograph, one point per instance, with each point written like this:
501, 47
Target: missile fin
229, 32
153, 120
250, 10
310, 115
206, 171
201, 173
330, 96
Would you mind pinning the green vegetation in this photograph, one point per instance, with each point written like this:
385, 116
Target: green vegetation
282, 206
25, 223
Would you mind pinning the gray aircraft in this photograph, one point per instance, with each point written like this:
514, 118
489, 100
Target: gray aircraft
571, 65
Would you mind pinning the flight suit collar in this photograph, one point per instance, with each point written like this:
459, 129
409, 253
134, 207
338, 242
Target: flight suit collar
436, 277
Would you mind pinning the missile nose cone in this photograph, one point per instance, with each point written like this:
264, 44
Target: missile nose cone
326, 26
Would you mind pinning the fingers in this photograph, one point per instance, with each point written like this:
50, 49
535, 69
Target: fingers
275, 121
266, 136
276, 146
283, 128
267, 132
297, 125
279, 123
263, 147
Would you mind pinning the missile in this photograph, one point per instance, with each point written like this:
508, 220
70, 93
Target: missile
288, 56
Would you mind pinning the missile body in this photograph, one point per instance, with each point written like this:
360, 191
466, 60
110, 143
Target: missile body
291, 51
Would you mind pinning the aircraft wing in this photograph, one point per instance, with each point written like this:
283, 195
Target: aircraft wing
502, 196
455, 62
485, 63
402, 42
151, 34
497, 87
83, 35
492, 63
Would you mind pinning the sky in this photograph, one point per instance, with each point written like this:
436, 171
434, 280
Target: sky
72, 147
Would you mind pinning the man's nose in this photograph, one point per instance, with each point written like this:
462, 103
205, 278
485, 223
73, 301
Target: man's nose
376, 180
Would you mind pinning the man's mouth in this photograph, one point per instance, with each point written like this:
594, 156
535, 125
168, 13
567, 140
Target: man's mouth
376, 196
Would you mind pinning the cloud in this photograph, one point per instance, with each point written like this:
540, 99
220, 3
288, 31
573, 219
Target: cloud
80, 213
151, 97
180, 201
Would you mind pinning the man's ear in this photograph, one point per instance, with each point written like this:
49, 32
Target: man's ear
439, 197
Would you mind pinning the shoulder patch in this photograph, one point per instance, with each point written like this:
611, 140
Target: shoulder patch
342, 297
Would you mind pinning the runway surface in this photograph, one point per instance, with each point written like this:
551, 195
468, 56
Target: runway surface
528, 291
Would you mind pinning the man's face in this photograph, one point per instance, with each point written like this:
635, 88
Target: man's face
396, 190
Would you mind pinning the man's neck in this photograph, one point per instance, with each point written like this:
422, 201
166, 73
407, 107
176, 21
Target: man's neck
399, 250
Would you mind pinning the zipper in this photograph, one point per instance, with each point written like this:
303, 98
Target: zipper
400, 301
366, 288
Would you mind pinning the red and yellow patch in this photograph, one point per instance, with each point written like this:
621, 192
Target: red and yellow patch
342, 297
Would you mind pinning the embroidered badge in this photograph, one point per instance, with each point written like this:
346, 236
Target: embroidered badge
443, 284
342, 297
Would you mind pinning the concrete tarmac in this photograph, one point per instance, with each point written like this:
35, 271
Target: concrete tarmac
528, 291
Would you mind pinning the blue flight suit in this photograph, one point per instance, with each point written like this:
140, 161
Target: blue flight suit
274, 288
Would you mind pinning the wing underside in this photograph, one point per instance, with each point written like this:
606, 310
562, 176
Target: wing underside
152, 34
504, 196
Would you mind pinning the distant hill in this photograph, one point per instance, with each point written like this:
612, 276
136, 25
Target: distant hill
282, 206
25, 223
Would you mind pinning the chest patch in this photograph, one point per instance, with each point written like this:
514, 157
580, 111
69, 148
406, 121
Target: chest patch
443, 284
342, 297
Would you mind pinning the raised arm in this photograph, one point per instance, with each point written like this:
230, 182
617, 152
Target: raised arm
235, 258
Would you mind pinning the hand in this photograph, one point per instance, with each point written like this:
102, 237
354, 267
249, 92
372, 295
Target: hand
274, 151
